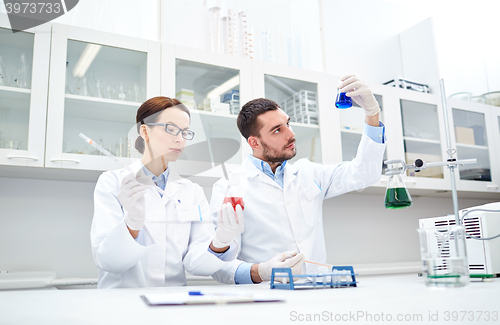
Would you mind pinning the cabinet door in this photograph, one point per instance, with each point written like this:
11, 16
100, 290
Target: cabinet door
23, 94
211, 85
474, 138
298, 94
424, 137
352, 122
97, 83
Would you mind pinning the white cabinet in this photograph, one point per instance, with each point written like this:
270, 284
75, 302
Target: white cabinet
474, 130
101, 101
303, 95
97, 83
23, 109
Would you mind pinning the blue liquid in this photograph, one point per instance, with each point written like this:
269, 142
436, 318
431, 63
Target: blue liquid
343, 101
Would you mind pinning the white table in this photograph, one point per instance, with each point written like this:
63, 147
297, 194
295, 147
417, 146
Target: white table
403, 296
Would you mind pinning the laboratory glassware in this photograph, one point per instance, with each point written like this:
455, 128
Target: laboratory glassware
67, 90
121, 94
343, 101
444, 256
98, 89
397, 195
136, 93
3, 74
84, 88
21, 74
233, 191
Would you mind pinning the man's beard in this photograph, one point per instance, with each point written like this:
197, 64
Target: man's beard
271, 155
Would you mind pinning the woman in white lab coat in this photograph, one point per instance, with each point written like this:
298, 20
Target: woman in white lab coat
142, 236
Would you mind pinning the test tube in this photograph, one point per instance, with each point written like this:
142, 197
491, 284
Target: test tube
111, 156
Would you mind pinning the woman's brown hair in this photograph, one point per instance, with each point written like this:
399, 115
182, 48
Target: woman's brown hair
149, 112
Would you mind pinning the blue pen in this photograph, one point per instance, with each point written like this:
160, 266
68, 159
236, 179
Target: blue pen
195, 293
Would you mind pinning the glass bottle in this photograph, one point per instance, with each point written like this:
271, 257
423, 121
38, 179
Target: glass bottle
397, 195
121, 94
3, 74
98, 89
67, 90
342, 101
136, 93
84, 89
21, 74
234, 192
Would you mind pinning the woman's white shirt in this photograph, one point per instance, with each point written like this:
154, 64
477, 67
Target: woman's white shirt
175, 238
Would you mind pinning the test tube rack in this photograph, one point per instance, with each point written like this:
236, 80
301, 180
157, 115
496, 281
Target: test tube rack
341, 276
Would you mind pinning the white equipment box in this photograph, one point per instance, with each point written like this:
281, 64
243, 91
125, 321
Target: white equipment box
483, 255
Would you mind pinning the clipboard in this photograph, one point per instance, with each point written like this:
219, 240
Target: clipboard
216, 298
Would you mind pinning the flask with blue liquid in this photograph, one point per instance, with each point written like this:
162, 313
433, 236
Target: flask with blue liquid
342, 101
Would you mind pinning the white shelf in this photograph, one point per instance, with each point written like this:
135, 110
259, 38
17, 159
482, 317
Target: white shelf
472, 146
100, 108
422, 140
14, 93
304, 125
208, 113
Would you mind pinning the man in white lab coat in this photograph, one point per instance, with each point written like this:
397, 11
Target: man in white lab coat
283, 202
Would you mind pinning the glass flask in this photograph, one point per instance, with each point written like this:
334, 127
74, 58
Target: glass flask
21, 74
397, 196
3, 74
342, 101
233, 192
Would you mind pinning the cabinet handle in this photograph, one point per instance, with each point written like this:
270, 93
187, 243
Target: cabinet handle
65, 159
493, 187
22, 157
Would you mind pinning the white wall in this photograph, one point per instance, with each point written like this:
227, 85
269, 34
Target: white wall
46, 227
361, 37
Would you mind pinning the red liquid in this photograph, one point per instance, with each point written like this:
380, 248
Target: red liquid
235, 201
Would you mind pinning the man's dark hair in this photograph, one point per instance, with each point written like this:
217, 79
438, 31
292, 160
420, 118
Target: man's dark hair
247, 118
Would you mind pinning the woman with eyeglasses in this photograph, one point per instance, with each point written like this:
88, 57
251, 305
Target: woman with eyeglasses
150, 226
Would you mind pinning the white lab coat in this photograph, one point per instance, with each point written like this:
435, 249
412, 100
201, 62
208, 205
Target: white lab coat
166, 246
279, 220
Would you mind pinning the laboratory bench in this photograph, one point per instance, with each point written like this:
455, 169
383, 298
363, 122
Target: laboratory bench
401, 298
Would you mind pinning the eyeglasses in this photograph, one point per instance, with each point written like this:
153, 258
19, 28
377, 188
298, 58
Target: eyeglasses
174, 130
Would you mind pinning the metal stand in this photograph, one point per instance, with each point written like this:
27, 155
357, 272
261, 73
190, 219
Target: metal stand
451, 162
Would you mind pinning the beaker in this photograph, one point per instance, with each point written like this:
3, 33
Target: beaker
444, 256
397, 196
342, 101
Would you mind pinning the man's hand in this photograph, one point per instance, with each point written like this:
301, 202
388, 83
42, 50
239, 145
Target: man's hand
359, 91
288, 259
230, 224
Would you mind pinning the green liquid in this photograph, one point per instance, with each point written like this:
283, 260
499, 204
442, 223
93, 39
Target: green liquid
397, 198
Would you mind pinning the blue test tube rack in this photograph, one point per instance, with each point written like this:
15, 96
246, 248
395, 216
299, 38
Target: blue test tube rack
341, 276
